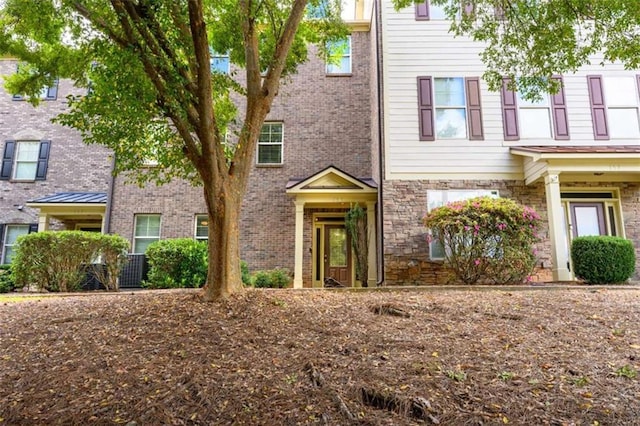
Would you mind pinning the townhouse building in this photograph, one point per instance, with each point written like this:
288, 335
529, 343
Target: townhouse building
49, 179
574, 156
313, 163
402, 124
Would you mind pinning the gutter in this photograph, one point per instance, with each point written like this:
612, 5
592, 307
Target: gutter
380, 217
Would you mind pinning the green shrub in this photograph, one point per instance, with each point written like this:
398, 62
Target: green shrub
56, 261
486, 239
177, 263
6, 280
603, 259
275, 278
246, 275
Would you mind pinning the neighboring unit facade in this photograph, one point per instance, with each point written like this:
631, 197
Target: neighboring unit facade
574, 157
313, 163
49, 178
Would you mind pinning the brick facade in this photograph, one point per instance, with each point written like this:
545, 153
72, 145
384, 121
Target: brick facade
326, 121
72, 166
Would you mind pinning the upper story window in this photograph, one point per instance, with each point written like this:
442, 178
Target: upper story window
451, 121
270, 144
535, 117
47, 93
147, 231
427, 11
340, 57
449, 108
202, 227
621, 97
11, 234
220, 62
25, 160
317, 9
545, 118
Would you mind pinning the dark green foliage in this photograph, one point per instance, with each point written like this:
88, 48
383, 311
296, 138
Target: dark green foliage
56, 261
6, 280
603, 259
177, 263
275, 278
486, 239
246, 275
356, 223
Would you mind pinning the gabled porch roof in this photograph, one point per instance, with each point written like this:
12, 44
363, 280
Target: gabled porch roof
602, 163
332, 185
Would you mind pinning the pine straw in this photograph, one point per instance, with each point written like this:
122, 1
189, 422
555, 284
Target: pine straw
524, 357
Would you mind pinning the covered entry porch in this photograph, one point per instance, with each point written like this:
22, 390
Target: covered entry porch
322, 245
584, 193
82, 211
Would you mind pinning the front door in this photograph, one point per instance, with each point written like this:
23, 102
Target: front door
587, 219
337, 254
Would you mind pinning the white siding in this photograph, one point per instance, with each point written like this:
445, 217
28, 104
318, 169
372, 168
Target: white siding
425, 48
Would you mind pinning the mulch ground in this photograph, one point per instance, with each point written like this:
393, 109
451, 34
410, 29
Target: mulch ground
284, 357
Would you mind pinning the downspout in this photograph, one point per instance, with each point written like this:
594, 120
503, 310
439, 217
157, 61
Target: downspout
107, 212
380, 217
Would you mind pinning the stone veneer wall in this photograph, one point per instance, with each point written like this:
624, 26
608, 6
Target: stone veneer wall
405, 203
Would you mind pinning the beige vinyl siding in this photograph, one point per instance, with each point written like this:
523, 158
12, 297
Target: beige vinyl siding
425, 48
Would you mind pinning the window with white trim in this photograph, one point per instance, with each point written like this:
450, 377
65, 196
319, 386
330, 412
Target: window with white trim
11, 234
202, 227
147, 231
220, 62
26, 160
535, 117
451, 108
340, 56
270, 143
438, 198
621, 96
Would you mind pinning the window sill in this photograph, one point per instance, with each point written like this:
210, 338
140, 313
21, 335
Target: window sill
338, 75
269, 166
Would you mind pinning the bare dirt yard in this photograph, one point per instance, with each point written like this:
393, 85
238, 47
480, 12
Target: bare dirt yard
283, 357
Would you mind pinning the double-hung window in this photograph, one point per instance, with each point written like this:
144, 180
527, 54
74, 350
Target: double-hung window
202, 227
25, 160
339, 52
220, 62
437, 198
270, 144
11, 234
451, 111
449, 108
147, 231
426, 11
545, 118
621, 97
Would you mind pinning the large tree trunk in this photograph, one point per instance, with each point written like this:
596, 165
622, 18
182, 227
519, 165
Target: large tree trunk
223, 276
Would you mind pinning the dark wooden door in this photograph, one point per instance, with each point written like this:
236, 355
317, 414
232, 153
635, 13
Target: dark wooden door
337, 254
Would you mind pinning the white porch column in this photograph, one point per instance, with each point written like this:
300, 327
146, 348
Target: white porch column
555, 217
43, 222
371, 235
299, 245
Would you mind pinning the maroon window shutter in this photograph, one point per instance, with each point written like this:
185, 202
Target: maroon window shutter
509, 112
559, 112
474, 107
7, 160
468, 7
422, 11
598, 107
425, 109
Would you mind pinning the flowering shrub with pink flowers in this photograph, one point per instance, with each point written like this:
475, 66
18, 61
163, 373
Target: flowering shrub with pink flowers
486, 239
